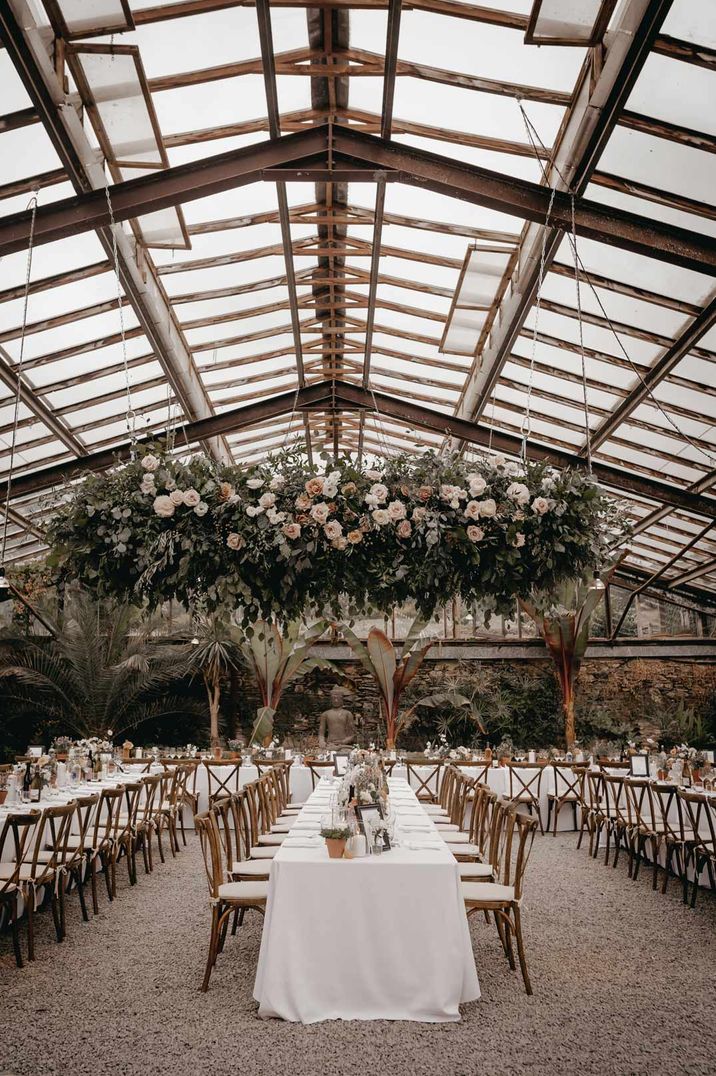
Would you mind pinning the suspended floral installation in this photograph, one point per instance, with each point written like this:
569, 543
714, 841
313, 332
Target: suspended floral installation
279, 538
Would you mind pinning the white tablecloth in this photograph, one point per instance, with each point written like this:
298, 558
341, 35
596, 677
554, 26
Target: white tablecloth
378, 938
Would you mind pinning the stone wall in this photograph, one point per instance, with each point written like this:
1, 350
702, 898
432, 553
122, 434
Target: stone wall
630, 690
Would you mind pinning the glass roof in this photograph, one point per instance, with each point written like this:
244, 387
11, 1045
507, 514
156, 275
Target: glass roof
429, 297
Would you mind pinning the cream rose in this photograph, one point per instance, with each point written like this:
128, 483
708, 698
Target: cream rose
404, 529
472, 510
267, 500
314, 486
303, 501
275, 517
339, 543
191, 498
255, 483
475, 534
540, 505
177, 497
253, 510
380, 517
374, 476
226, 491
164, 506
425, 493
518, 492
292, 530
150, 462
333, 530
477, 484
419, 514
488, 507
354, 537
201, 508
380, 492
234, 540
277, 482
396, 510
320, 512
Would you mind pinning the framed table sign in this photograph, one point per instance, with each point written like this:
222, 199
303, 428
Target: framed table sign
639, 764
340, 762
371, 813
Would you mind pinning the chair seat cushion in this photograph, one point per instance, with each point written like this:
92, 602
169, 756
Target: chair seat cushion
27, 873
257, 891
257, 868
281, 827
434, 808
272, 838
454, 837
264, 851
449, 826
463, 849
469, 871
487, 892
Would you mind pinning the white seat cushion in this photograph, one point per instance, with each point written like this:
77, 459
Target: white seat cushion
434, 808
449, 826
454, 836
26, 871
463, 849
272, 838
474, 870
264, 851
487, 891
281, 827
257, 891
257, 868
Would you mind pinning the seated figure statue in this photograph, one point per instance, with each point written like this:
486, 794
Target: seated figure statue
336, 728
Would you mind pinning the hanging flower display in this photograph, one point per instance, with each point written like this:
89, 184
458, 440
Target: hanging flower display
279, 537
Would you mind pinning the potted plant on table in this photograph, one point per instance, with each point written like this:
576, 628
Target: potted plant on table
335, 838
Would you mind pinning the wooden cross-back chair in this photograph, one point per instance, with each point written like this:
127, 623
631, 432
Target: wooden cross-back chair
642, 826
524, 783
617, 818
427, 788
123, 838
166, 810
99, 850
677, 839
75, 864
225, 896
511, 847
16, 840
144, 825
593, 817
318, 768
221, 784
568, 791
700, 815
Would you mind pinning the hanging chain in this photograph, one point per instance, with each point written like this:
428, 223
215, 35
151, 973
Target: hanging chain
534, 138
131, 417
291, 417
587, 428
18, 388
527, 420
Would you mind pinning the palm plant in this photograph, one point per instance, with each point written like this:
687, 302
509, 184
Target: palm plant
102, 670
275, 658
392, 674
564, 626
213, 652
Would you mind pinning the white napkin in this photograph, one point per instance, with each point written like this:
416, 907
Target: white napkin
416, 845
302, 842
416, 827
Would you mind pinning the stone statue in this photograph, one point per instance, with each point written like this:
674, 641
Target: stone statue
336, 728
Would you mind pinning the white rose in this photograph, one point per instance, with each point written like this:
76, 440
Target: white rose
371, 501
164, 506
333, 530
540, 505
380, 492
518, 492
267, 500
380, 517
255, 483
277, 482
498, 461
432, 538
339, 543
177, 497
488, 507
374, 476
275, 517
511, 467
472, 510
253, 510
475, 534
447, 492
419, 514
454, 503
150, 462
234, 540
170, 483
320, 512
477, 484
201, 508
396, 510
191, 498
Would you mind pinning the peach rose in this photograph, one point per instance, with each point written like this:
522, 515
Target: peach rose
475, 534
314, 486
354, 537
235, 541
404, 529
303, 501
292, 530
226, 490
425, 493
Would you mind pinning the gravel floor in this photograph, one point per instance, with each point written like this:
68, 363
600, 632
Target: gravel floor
624, 983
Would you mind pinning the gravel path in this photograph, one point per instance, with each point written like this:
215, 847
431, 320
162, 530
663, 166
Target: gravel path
624, 983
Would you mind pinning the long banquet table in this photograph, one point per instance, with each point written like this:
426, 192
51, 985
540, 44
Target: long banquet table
376, 938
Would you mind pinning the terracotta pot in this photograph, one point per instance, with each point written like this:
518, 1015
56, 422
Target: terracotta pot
335, 847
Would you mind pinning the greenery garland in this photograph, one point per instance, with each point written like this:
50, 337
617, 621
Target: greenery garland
280, 537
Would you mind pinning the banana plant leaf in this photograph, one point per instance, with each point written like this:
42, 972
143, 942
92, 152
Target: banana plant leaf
263, 725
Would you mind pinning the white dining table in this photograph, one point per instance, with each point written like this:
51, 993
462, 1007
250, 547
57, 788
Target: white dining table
381, 937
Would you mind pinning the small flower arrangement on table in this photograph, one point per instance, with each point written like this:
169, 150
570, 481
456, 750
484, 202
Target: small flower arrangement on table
364, 781
335, 838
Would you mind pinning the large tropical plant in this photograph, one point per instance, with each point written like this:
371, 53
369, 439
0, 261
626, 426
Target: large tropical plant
213, 652
391, 673
103, 669
275, 657
563, 622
